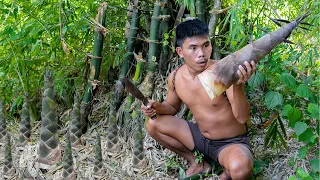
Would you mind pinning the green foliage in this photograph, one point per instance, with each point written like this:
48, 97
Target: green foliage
199, 156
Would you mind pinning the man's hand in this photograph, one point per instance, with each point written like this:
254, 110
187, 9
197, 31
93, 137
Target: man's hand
245, 75
149, 109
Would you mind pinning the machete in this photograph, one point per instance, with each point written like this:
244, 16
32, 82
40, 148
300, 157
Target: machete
137, 93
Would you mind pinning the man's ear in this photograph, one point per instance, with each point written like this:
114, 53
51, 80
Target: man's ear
179, 51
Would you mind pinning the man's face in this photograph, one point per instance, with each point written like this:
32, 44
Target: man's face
196, 52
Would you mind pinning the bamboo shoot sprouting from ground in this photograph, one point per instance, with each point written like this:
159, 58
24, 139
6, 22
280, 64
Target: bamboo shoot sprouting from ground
165, 38
220, 76
95, 65
139, 161
8, 169
76, 124
3, 131
98, 162
25, 125
48, 148
68, 170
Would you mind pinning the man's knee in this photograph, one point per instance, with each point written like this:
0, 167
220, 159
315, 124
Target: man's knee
240, 169
151, 127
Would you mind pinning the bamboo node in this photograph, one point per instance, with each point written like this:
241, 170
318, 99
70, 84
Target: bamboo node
92, 56
164, 17
219, 11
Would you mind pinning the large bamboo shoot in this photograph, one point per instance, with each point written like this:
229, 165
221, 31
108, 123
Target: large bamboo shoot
8, 169
219, 77
68, 170
48, 148
25, 126
2, 125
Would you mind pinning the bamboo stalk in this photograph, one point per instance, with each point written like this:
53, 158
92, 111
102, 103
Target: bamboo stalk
48, 148
221, 75
212, 29
165, 40
112, 138
95, 66
192, 8
153, 40
25, 125
200, 8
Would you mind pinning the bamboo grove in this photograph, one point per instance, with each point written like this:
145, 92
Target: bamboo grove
57, 63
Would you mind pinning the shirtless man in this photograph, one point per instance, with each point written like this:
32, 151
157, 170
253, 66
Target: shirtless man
220, 131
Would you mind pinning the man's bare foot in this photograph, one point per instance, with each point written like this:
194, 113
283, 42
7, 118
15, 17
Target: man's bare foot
225, 176
196, 168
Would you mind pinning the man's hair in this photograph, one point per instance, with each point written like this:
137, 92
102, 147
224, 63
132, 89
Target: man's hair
189, 29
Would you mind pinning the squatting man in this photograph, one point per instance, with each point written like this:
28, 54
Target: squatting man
220, 129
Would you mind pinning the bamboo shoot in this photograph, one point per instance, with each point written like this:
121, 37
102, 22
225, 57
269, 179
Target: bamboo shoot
219, 77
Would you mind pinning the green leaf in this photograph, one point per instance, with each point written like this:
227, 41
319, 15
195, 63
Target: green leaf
288, 79
300, 127
306, 136
303, 91
259, 165
302, 173
315, 165
313, 109
285, 110
272, 99
291, 162
292, 178
257, 78
303, 152
294, 115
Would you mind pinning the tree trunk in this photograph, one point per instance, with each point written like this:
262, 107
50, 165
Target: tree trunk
95, 66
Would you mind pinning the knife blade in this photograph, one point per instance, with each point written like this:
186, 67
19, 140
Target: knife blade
136, 93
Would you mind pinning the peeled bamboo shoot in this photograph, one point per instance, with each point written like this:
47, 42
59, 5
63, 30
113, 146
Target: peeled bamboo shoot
220, 76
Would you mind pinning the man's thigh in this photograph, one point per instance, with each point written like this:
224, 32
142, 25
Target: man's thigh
174, 127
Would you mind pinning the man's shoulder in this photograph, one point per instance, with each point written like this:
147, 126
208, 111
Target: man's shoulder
175, 70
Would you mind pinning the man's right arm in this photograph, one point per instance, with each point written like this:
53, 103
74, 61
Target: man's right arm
170, 106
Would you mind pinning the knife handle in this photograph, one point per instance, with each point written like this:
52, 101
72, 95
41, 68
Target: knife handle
154, 117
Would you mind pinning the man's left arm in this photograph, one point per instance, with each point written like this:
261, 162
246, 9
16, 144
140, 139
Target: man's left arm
236, 95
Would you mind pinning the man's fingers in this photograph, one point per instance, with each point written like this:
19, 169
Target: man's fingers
243, 72
254, 66
249, 68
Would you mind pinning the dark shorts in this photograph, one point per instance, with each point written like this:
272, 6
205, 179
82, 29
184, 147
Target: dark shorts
211, 148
